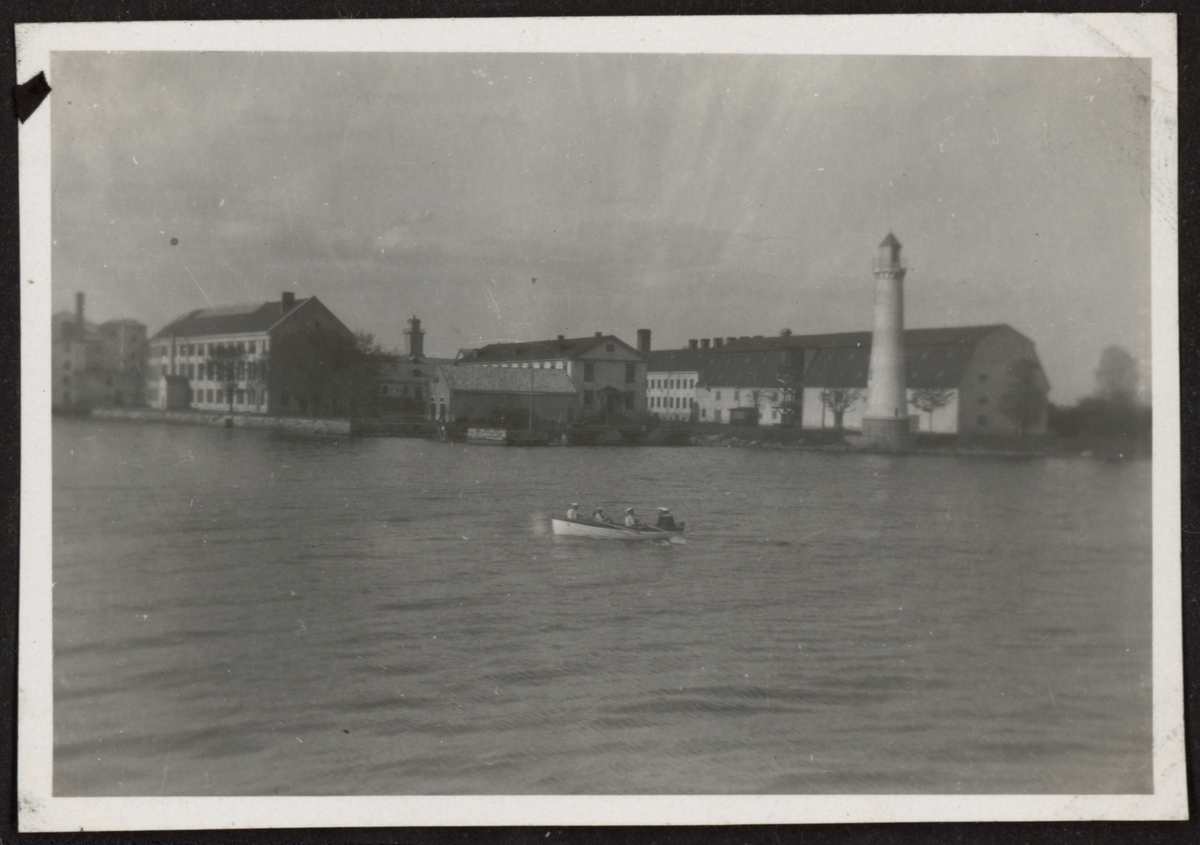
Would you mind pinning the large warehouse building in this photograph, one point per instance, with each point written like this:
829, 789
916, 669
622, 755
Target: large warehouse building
969, 379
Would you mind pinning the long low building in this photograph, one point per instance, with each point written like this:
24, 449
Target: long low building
968, 379
465, 393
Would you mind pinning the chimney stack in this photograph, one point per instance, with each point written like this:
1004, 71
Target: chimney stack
693, 344
561, 338
414, 338
704, 343
718, 342
288, 301
643, 341
730, 339
599, 334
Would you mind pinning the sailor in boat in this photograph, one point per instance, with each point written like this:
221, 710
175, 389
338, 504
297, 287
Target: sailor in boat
573, 512
665, 520
599, 516
630, 519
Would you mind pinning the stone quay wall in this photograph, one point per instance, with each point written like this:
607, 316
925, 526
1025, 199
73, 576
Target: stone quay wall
296, 425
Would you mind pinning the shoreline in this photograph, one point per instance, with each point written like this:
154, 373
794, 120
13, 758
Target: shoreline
801, 440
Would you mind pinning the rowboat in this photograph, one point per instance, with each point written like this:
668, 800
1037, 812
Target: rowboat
611, 531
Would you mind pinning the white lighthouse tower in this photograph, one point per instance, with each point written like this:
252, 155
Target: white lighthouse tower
885, 421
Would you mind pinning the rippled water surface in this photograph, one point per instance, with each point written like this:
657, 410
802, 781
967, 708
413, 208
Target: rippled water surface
239, 612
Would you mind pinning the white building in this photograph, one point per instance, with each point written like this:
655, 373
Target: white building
958, 379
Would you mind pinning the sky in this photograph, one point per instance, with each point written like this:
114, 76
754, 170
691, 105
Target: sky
522, 196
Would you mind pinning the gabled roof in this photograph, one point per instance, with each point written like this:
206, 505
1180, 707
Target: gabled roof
933, 358
890, 240
539, 350
235, 319
507, 380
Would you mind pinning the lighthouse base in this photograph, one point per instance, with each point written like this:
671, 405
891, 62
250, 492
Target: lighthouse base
885, 432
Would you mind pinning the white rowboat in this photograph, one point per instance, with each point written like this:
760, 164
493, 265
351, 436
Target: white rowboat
611, 531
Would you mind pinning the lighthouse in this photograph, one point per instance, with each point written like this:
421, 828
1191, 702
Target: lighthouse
885, 421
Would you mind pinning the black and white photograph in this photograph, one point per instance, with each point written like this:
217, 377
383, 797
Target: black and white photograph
722, 421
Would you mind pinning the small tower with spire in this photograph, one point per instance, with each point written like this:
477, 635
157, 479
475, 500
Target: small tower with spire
414, 338
885, 421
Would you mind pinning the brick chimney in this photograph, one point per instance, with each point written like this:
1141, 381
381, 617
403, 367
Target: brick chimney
643, 345
704, 343
718, 342
693, 344
599, 334
288, 301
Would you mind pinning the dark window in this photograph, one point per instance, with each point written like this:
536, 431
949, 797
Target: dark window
629, 400
608, 347
416, 373
241, 397
191, 372
718, 396
704, 412
221, 396
209, 394
587, 397
630, 372
589, 371
253, 346
241, 347
982, 420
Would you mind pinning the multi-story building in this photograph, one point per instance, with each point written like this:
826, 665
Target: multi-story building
959, 380
609, 375
224, 353
95, 366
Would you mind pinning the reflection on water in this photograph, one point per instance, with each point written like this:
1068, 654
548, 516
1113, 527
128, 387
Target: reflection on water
238, 612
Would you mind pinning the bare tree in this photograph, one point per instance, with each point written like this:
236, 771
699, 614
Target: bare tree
930, 399
1024, 397
839, 400
1117, 376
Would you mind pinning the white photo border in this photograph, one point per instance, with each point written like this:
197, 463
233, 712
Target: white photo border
1150, 36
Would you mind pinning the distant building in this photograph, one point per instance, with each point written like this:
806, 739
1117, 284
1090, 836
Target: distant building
190, 346
465, 393
608, 374
95, 366
966, 371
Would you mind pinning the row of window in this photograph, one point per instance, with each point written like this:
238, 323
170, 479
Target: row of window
589, 372
240, 397
671, 402
672, 383
186, 349
243, 370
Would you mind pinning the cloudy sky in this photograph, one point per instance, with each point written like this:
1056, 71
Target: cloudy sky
693, 195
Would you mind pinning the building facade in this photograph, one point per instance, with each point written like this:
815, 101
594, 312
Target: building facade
609, 375
224, 353
502, 394
960, 380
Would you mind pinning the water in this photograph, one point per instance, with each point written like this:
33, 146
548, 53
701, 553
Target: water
243, 613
